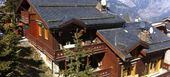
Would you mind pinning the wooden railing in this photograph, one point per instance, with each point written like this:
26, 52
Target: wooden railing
104, 73
96, 48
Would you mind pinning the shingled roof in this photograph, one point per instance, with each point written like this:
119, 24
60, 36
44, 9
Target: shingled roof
123, 40
120, 41
55, 12
158, 40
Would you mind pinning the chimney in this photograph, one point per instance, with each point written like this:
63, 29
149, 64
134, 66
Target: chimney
101, 5
144, 35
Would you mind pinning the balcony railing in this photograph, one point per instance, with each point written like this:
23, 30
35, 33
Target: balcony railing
59, 55
95, 48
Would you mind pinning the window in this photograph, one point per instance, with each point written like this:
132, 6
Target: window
39, 31
46, 34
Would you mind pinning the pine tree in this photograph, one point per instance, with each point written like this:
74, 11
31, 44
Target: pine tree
76, 60
16, 61
8, 46
8, 42
9, 12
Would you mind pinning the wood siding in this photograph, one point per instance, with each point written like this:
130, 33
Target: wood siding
47, 46
140, 68
110, 60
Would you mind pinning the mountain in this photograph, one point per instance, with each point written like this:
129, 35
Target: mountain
147, 10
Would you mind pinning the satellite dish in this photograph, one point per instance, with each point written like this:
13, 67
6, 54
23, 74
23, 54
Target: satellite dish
103, 2
151, 30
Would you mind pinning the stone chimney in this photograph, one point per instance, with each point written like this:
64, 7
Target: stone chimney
144, 35
101, 5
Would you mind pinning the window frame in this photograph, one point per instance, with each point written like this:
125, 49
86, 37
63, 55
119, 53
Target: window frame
46, 35
39, 31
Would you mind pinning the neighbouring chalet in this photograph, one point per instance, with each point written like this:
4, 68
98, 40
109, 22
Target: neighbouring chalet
158, 44
164, 26
119, 49
140, 47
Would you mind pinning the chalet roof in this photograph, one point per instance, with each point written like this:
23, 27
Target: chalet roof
122, 41
55, 12
158, 40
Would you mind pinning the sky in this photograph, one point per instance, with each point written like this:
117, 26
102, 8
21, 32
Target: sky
147, 10
2, 2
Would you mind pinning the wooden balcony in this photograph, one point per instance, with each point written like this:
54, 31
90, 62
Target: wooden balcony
95, 48
59, 55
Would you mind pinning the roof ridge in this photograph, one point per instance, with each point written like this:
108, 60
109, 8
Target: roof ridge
94, 18
111, 29
163, 41
67, 5
86, 18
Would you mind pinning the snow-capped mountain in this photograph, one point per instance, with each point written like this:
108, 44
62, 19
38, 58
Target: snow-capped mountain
147, 10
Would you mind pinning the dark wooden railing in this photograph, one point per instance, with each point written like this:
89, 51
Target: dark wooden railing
58, 55
104, 73
95, 48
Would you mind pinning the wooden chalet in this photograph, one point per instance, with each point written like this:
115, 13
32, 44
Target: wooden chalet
152, 57
118, 49
164, 26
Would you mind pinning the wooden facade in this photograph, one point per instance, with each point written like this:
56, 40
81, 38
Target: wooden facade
110, 60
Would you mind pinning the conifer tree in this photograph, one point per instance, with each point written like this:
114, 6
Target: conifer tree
10, 62
9, 41
77, 65
8, 53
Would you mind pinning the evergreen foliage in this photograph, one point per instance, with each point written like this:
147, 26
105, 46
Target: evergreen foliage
77, 63
8, 42
8, 46
15, 60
